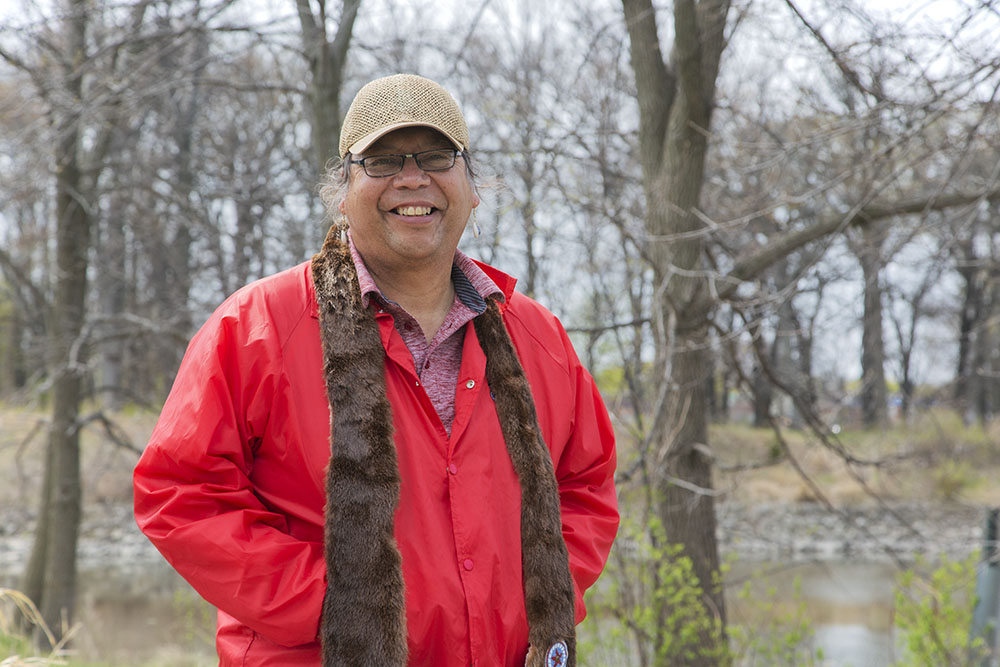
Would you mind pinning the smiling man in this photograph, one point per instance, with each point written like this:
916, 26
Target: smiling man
386, 456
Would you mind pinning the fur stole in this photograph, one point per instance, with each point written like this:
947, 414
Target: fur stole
364, 613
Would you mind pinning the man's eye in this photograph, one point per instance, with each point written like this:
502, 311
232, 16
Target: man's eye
381, 162
436, 158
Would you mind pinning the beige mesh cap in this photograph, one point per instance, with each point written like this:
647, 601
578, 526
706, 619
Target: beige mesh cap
397, 101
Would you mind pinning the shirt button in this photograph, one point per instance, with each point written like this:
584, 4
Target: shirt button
468, 564
453, 469
470, 384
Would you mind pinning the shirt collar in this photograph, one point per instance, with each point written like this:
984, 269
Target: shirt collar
472, 285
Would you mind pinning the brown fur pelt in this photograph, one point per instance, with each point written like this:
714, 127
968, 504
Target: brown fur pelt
548, 586
364, 613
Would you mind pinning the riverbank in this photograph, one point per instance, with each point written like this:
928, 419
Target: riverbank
893, 532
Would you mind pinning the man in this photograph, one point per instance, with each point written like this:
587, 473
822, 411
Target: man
469, 498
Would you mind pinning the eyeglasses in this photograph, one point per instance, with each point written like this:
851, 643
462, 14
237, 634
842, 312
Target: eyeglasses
380, 166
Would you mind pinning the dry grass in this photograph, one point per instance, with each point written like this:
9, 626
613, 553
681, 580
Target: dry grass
935, 457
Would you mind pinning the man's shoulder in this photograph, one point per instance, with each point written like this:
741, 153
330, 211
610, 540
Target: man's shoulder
535, 329
284, 296
525, 309
290, 279
293, 283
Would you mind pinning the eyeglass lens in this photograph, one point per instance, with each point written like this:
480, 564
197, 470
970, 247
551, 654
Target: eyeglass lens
387, 165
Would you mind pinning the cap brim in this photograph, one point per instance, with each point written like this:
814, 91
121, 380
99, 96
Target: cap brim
366, 141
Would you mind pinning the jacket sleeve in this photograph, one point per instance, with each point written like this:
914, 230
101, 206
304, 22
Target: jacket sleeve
193, 488
585, 473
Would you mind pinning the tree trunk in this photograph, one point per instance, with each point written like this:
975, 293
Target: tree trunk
327, 61
54, 553
688, 512
874, 399
527, 207
969, 318
763, 395
50, 576
111, 290
675, 109
12, 366
983, 361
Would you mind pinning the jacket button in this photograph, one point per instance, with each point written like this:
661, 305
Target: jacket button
453, 469
468, 564
470, 384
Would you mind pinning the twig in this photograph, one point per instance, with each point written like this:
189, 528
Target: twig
114, 432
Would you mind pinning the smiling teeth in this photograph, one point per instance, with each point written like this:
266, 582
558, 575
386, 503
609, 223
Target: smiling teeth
414, 210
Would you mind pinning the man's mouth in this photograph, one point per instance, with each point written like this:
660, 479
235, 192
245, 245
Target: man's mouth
413, 211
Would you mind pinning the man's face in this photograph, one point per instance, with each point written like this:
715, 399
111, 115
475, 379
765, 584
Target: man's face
412, 219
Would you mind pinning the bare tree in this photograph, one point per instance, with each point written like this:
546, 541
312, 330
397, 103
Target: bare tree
675, 106
90, 70
327, 62
50, 578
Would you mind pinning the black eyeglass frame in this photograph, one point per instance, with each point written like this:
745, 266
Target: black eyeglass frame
416, 158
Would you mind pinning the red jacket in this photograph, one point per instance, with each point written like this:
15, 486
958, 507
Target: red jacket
231, 486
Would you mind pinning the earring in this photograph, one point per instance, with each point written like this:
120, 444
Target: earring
342, 228
476, 230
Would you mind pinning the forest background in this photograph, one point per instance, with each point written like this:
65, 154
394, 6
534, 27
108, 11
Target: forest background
769, 213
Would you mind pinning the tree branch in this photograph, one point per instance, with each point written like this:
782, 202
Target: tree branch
845, 69
342, 40
750, 267
609, 327
114, 432
30, 296
687, 50
655, 83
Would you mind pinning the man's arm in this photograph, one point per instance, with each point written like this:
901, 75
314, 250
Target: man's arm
195, 496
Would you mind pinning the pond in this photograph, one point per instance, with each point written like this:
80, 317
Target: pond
848, 604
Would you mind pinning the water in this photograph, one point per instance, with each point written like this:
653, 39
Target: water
849, 605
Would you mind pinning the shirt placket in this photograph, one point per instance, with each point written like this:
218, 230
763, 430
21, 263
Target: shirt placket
465, 511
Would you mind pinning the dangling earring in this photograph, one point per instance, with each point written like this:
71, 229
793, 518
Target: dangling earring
476, 231
342, 228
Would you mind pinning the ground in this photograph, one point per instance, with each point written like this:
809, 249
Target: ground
922, 489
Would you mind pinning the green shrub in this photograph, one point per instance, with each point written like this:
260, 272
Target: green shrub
777, 638
648, 607
934, 615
